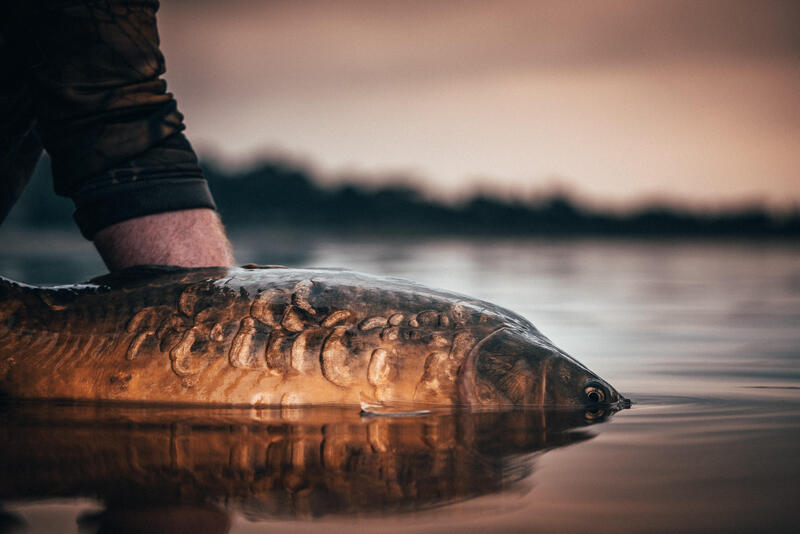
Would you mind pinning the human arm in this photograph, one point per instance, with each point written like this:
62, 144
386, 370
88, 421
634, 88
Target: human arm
189, 238
115, 136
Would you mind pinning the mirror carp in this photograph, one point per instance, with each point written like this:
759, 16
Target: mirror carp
267, 336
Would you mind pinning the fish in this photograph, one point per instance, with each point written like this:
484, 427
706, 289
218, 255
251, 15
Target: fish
271, 463
277, 336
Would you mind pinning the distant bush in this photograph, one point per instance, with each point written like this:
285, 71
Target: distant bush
280, 194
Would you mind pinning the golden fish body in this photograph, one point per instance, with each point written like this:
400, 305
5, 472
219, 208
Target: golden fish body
277, 336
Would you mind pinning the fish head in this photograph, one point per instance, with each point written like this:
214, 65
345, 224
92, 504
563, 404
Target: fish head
522, 368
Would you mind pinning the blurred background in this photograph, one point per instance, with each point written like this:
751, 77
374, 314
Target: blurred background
619, 102
616, 117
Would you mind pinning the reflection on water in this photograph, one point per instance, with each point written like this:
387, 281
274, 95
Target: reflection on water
703, 336
156, 466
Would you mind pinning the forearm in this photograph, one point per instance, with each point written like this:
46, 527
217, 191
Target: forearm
188, 238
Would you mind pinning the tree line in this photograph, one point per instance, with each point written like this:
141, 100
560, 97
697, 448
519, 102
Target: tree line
280, 194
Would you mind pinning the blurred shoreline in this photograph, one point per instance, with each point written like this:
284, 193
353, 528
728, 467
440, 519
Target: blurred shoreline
286, 196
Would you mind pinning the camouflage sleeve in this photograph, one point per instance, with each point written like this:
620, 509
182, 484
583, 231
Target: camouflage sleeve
112, 130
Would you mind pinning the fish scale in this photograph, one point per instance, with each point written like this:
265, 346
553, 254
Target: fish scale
268, 336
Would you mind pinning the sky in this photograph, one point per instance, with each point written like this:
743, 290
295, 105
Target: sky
619, 102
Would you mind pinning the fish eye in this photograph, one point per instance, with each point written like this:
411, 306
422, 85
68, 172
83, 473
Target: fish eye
594, 394
594, 414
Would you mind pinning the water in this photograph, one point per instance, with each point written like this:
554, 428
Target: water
703, 336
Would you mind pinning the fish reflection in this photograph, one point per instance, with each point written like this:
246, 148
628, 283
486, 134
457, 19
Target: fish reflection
156, 469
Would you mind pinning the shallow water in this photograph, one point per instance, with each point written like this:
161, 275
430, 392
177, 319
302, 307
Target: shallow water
702, 336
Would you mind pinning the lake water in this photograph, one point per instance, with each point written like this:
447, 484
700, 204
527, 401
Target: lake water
703, 336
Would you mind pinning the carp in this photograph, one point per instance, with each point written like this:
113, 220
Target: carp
151, 462
270, 335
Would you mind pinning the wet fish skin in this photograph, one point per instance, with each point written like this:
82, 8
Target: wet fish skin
278, 336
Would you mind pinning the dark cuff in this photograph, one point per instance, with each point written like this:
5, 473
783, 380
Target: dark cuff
136, 199
165, 178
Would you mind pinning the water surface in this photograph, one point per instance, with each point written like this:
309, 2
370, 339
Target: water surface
703, 336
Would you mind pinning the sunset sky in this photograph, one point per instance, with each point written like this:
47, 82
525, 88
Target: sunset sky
621, 101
